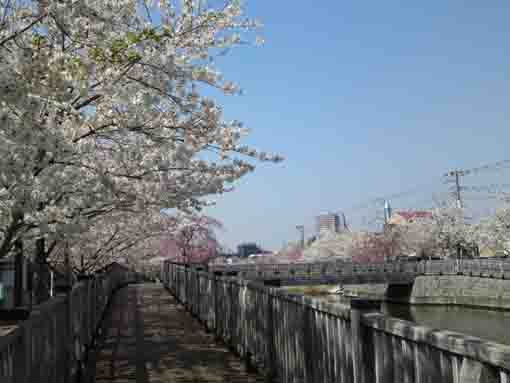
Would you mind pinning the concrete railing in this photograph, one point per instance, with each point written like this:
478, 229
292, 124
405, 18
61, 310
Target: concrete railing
50, 346
299, 339
478, 267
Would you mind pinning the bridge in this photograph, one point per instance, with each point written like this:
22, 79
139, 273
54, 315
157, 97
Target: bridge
393, 273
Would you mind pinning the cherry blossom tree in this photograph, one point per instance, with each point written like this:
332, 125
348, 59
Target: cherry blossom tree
110, 239
294, 254
194, 241
290, 253
102, 115
418, 237
452, 231
493, 232
375, 247
330, 245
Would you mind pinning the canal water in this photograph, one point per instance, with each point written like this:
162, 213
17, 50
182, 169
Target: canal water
490, 325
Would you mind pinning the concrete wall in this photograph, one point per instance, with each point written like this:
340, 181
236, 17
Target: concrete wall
461, 290
431, 289
444, 290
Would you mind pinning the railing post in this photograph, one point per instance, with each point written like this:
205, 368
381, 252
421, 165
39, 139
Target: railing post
270, 354
473, 371
357, 349
198, 296
215, 303
69, 319
21, 355
362, 346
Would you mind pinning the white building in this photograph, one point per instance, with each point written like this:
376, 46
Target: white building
330, 223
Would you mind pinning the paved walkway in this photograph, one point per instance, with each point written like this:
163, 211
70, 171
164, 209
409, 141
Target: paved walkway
150, 338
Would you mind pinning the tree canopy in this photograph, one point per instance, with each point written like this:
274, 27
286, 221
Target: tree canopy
103, 117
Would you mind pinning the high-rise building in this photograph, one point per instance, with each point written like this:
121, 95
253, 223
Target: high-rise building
330, 222
247, 249
387, 211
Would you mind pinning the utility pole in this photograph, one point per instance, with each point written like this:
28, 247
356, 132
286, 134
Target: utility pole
456, 174
301, 230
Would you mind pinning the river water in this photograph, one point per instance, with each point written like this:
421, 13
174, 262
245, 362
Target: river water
491, 325
487, 324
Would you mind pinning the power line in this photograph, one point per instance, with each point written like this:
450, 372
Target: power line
490, 189
455, 176
380, 200
499, 165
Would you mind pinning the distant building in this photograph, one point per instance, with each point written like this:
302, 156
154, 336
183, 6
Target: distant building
387, 211
330, 222
247, 249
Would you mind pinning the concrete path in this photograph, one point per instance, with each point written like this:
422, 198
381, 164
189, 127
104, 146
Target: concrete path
150, 338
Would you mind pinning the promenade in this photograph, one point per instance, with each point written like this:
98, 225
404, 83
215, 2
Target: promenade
150, 338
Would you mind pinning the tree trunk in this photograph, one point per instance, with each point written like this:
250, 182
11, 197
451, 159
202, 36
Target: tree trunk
82, 264
42, 286
18, 273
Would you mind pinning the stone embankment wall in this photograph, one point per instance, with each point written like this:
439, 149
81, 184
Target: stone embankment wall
431, 289
461, 290
442, 290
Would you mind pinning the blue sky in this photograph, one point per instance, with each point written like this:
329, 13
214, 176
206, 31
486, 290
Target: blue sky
364, 99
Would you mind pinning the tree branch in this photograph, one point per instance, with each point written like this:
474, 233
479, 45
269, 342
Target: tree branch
23, 30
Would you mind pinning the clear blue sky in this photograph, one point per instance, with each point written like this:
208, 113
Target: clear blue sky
364, 99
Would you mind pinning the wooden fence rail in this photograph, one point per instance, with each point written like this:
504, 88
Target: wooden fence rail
300, 339
50, 345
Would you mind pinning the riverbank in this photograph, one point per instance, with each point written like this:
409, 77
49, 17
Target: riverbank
486, 323
450, 290
471, 305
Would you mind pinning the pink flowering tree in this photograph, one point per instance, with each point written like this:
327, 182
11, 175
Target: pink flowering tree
375, 247
193, 241
293, 254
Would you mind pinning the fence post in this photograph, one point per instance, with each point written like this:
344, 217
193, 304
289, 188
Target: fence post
363, 362
21, 355
270, 339
214, 324
357, 350
69, 318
